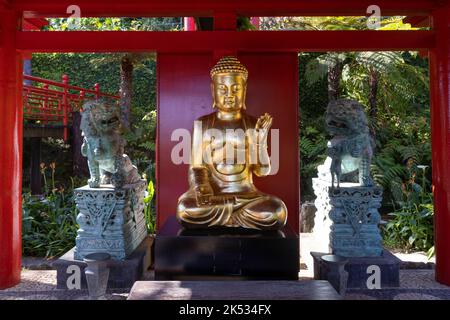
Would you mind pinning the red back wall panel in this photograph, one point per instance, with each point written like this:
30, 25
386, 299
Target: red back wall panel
184, 94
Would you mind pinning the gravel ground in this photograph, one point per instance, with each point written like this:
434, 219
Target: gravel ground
41, 285
414, 285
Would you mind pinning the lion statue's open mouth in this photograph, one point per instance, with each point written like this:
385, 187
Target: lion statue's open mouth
351, 148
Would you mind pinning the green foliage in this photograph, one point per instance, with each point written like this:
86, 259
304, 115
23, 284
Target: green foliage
115, 24
331, 23
49, 223
401, 127
412, 226
313, 95
244, 23
400, 85
149, 209
317, 69
403, 144
313, 147
85, 70
313, 100
141, 140
52, 150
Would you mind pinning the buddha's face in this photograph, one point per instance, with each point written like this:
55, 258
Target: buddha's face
229, 91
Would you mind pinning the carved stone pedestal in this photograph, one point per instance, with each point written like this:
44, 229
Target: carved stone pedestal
111, 220
347, 218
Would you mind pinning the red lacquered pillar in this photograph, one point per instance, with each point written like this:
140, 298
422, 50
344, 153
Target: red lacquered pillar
10, 151
440, 132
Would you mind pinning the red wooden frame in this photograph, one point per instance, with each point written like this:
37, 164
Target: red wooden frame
34, 24
206, 41
56, 105
205, 8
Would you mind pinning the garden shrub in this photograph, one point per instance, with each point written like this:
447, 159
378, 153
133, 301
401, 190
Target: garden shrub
49, 223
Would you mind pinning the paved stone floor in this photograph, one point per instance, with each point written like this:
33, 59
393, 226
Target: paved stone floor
41, 285
418, 284
415, 285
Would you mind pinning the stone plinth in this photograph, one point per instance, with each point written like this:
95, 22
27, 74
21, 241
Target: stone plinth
225, 254
347, 218
363, 272
233, 290
111, 220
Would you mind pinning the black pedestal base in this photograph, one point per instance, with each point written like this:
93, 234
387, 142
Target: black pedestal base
222, 254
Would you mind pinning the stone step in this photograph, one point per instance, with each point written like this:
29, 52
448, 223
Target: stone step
233, 290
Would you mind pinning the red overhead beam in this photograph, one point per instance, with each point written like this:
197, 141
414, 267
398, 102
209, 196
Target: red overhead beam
418, 21
140, 8
205, 41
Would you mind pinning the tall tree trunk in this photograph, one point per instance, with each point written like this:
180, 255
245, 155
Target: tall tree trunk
126, 88
334, 81
373, 107
35, 169
373, 85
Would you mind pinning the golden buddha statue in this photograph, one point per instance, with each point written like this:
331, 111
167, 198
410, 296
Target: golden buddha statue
228, 146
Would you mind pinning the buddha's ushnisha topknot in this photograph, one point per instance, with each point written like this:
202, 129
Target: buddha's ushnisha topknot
229, 64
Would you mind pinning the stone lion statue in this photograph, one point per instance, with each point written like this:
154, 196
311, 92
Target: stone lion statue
103, 145
350, 151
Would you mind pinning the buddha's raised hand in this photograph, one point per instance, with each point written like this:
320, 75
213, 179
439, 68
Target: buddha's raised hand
262, 126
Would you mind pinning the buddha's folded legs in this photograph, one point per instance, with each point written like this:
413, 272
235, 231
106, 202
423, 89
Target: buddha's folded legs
189, 214
255, 211
264, 213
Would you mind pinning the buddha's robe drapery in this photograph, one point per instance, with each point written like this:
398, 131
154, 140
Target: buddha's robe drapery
236, 202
